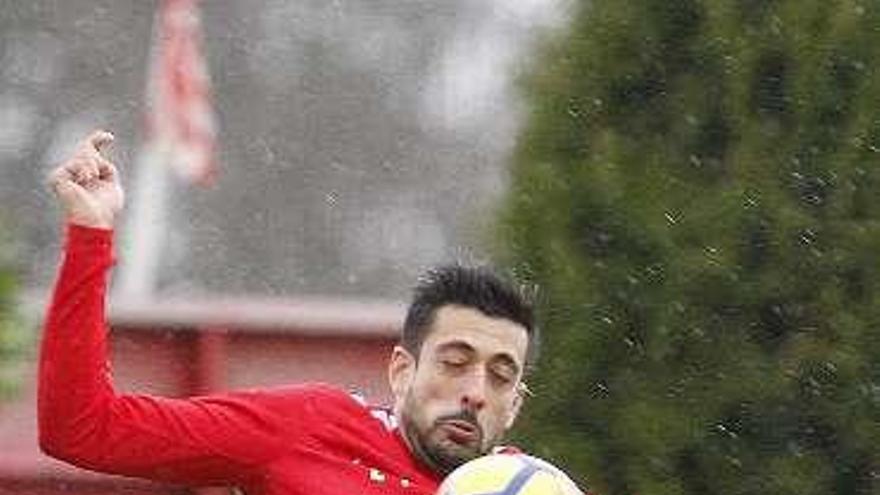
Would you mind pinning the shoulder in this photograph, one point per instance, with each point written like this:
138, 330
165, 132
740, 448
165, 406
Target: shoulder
324, 401
299, 395
333, 415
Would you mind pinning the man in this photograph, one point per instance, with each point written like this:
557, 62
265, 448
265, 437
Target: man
456, 379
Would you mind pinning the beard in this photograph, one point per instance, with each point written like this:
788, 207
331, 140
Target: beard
442, 454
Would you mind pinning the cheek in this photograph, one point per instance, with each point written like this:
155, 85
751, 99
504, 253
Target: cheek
501, 411
435, 396
429, 384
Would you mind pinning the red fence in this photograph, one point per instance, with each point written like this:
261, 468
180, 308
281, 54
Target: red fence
180, 348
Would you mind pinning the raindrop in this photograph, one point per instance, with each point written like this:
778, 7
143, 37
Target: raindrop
813, 386
730, 61
600, 390
720, 428
807, 237
654, 271
871, 391
574, 109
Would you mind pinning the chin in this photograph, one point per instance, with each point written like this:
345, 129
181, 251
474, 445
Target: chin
461, 453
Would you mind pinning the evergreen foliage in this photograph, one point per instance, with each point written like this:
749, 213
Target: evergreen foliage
14, 340
697, 194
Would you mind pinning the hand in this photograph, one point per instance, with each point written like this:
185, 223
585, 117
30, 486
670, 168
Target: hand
87, 184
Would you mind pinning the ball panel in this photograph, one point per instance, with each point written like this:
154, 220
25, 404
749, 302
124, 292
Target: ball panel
490, 474
565, 484
508, 474
541, 483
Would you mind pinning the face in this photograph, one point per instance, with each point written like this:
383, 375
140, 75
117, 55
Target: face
456, 398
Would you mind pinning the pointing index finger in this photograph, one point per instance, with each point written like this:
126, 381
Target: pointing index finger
97, 141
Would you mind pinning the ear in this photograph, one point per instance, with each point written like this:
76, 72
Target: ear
518, 400
401, 371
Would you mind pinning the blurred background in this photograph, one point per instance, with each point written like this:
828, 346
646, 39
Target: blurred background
691, 183
356, 143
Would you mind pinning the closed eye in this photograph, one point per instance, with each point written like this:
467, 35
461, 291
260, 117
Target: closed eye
453, 363
503, 375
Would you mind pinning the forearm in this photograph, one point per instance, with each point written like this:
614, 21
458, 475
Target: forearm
74, 386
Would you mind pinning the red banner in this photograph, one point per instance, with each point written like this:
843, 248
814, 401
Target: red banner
180, 118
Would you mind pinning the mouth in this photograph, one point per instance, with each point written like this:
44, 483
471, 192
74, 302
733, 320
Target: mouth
461, 432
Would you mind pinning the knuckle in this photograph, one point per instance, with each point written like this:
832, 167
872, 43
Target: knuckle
57, 174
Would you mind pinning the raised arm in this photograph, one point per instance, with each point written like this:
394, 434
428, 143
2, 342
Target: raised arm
221, 439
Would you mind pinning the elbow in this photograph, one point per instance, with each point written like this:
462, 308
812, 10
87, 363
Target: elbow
73, 435
53, 442
62, 450
59, 432
71, 439
51, 445
47, 435
50, 426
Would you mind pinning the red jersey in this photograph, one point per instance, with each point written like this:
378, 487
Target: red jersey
306, 439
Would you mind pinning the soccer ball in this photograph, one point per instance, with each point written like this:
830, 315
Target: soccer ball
508, 474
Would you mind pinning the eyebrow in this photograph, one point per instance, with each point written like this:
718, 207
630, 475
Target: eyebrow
456, 345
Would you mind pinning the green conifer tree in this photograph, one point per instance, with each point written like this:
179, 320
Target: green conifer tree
697, 193
14, 339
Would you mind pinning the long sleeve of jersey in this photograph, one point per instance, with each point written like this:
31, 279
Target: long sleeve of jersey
217, 439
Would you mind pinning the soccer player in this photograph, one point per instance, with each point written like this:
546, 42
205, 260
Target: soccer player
456, 378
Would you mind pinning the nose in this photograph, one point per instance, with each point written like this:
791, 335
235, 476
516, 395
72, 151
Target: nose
473, 394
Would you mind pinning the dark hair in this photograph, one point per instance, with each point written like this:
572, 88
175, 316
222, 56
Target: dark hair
472, 287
